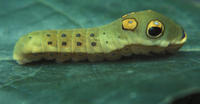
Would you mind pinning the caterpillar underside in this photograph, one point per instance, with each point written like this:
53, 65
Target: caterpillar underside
112, 56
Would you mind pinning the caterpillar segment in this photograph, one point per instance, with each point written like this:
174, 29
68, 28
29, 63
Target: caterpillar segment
78, 45
111, 42
122, 38
49, 44
64, 39
24, 48
95, 51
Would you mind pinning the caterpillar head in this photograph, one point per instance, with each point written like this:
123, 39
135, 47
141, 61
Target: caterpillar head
153, 32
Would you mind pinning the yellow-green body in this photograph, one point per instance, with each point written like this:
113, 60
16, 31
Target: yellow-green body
108, 42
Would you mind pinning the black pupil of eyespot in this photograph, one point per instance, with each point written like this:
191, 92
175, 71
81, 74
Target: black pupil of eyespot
154, 31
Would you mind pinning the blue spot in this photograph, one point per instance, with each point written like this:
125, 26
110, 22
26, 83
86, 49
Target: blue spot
130, 22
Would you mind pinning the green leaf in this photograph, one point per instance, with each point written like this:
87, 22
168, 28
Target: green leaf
140, 80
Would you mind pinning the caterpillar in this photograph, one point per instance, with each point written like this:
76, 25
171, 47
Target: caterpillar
143, 32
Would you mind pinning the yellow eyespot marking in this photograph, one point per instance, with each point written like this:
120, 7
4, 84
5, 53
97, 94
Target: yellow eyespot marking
155, 23
155, 29
124, 15
129, 24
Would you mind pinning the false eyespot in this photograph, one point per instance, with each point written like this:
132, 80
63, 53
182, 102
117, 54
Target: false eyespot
129, 24
155, 29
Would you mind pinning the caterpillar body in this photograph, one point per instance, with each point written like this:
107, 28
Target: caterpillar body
135, 33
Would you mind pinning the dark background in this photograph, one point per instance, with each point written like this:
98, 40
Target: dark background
140, 80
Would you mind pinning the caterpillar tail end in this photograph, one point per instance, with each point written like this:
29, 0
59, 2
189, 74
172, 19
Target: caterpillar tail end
19, 57
19, 53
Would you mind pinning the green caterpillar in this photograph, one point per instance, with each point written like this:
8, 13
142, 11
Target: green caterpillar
143, 32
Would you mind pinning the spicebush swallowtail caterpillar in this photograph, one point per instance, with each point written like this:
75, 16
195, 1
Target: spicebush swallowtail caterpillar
143, 32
